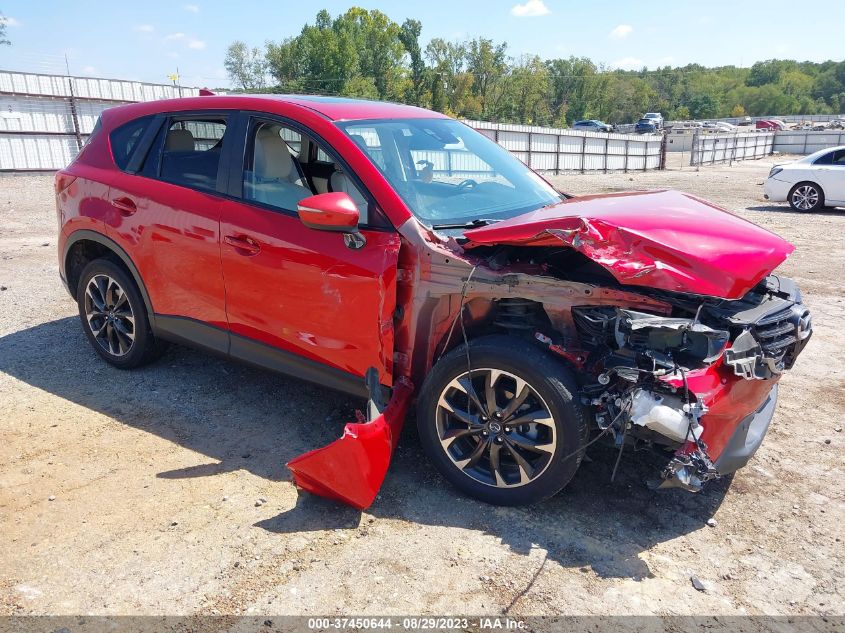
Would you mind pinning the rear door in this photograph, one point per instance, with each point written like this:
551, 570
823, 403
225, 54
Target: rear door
166, 204
301, 300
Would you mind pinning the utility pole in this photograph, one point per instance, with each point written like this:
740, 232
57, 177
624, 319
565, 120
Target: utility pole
73, 113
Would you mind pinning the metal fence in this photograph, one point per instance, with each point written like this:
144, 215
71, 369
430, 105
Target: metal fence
806, 141
45, 119
709, 149
556, 150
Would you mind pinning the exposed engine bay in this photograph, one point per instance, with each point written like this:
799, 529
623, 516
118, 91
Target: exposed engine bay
639, 372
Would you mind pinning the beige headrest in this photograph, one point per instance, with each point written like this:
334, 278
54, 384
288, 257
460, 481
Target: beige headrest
179, 141
272, 156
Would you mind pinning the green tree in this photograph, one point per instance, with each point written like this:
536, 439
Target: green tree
572, 88
365, 53
3, 38
246, 67
409, 35
528, 89
487, 63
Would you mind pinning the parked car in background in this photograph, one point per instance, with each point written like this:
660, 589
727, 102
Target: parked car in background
810, 183
330, 239
656, 117
645, 126
592, 125
746, 120
718, 126
767, 124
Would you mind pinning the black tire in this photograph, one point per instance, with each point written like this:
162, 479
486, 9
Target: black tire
809, 189
549, 379
145, 347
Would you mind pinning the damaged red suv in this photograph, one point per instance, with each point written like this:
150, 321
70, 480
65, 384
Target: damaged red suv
396, 254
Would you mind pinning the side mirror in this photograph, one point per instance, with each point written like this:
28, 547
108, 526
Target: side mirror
329, 212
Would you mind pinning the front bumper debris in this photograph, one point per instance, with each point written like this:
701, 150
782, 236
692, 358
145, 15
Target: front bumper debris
352, 468
747, 437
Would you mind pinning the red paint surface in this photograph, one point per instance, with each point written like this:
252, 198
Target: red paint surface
305, 292
352, 468
729, 398
174, 240
334, 210
659, 239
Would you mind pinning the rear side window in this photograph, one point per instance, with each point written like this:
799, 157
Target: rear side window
124, 140
191, 152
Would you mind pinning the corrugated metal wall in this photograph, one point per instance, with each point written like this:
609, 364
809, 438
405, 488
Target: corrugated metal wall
807, 141
44, 119
557, 150
708, 149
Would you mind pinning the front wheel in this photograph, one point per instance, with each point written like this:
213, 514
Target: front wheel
509, 429
806, 196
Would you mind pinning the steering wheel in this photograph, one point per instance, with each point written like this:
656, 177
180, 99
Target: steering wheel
469, 183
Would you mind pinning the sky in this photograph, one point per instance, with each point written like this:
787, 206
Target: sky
150, 40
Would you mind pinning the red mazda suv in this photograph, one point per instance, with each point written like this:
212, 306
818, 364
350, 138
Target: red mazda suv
397, 254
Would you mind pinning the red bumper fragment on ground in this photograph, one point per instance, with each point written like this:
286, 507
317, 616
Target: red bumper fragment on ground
353, 468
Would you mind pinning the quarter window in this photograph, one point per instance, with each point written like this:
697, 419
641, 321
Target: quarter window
124, 140
191, 152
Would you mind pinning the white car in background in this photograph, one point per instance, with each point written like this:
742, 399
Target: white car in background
810, 183
655, 117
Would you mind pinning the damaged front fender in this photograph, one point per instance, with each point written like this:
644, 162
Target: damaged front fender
352, 468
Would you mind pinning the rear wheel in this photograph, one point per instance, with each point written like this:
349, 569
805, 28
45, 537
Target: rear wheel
508, 432
114, 317
806, 196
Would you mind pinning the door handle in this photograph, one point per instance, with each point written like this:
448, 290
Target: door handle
125, 205
244, 245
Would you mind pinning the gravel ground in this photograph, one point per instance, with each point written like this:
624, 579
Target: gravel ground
138, 492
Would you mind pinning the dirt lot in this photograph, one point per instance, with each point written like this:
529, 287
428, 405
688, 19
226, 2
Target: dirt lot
135, 492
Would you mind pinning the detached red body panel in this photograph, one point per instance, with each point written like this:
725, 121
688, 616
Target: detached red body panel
658, 239
352, 468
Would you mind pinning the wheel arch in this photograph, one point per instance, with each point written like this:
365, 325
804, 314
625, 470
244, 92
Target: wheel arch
482, 312
84, 246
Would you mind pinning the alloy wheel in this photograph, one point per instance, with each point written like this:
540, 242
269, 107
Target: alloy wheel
805, 197
496, 428
109, 315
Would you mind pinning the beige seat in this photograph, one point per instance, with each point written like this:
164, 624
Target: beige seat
340, 182
179, 141
275, 179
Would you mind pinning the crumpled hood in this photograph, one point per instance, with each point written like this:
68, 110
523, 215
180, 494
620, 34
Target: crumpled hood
663, 239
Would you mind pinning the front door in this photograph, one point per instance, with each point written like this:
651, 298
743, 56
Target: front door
301, 300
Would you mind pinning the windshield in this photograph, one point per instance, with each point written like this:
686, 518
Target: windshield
447, 173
